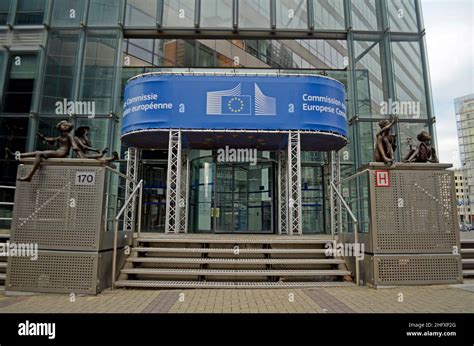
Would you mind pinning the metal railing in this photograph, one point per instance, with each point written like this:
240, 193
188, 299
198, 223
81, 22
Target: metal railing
7, 203
355, 223
138, 189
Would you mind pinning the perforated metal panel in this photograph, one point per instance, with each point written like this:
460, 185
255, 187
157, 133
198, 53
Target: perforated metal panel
55, 212
415, 214
382, 270
54, 271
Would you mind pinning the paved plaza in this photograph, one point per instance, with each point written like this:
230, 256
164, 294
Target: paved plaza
416, 299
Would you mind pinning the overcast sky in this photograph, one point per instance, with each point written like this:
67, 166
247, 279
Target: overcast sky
449, 28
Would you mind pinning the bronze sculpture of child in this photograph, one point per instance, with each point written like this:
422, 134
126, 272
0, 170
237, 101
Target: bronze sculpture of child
64, 141
83, 144
385, 143
424, 152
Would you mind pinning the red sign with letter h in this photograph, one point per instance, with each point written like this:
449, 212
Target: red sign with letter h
382, 179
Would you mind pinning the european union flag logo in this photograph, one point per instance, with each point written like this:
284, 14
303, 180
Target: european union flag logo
236, 105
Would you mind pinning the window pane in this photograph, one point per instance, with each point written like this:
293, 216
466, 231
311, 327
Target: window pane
4, 9
178, 13
60, 66
141, 13
292, 14
364, 14
30, 12
104, 12
20, 83
254, 13
329, 14
216, 13
67, 12
402, 15
370, 86
408, 77
98, 70
13, 133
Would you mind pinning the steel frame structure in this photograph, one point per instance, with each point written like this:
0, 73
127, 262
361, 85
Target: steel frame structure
173, 188
282, 194
132, 157
289, 187
295, 226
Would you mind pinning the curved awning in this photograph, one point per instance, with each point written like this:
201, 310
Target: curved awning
238, 110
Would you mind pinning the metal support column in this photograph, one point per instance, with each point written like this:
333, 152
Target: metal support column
183, 193
294, 183
132, 173
337, 181
174, 182
282, 193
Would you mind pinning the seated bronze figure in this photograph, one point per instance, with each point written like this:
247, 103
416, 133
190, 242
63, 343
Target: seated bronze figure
424, 152
64, 142
385, 143
83, 146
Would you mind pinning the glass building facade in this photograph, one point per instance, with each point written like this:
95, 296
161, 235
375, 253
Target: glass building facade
85, 50
464, 107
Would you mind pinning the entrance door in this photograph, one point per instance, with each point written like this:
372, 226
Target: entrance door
154, 197
231, 197
312, 199
243, 198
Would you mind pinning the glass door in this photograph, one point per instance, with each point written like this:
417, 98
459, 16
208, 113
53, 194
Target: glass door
231, 197
154, 197
312, 199
243, 198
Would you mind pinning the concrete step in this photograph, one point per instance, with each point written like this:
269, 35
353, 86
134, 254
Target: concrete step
225, 284
468, 260
3, 276
249, 240
468, 272
235, 260
467, 250
228, 250
235, 272
3, 265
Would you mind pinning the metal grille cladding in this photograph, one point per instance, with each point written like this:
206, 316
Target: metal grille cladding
422, 269
54, 271
416, 214
56, 213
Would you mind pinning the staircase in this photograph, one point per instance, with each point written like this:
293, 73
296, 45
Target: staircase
467, 255
231, 261
4, 237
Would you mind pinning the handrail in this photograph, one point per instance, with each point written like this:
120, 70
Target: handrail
138, 187
7, 203
356, 225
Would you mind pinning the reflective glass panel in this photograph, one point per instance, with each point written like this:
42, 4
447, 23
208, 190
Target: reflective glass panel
178, 13
60, 66
216, 13
402, 15
329, 14
104, 12
67, 12
98, 70
409, 83
292, 14
29, 12
364, 15
141, 13
254, 13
